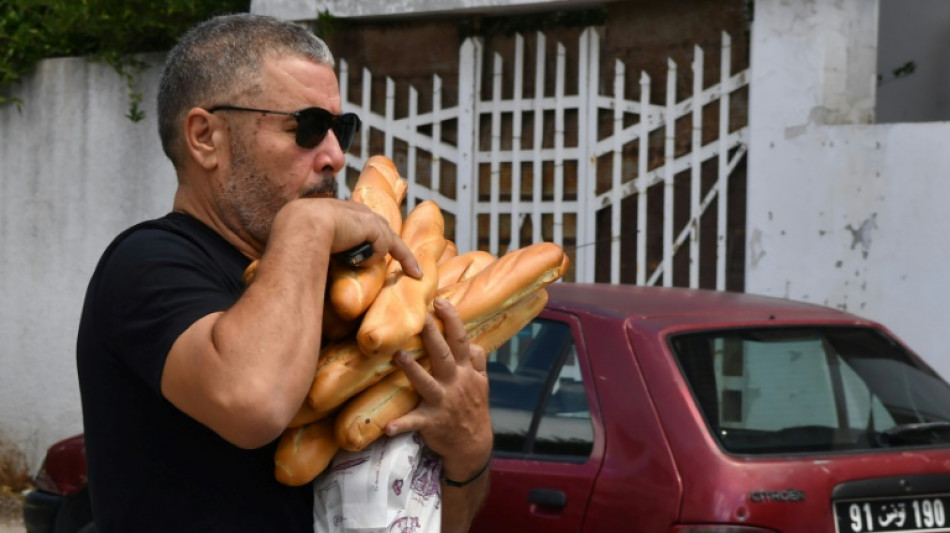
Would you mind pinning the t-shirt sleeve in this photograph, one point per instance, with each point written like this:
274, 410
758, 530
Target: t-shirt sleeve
153, 286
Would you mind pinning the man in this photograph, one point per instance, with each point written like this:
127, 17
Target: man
187, 377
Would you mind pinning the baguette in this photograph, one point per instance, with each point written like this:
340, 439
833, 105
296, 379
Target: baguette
334, 327
399, 309
363, 419
352, 290
337, 364
304, 452
375, 191
450, 251
250, 272
365, 416
387, 168
344, 371
462, 267
522, 271
507, 280
306, 414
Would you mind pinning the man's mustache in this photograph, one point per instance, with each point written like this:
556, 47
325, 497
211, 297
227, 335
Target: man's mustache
326, 187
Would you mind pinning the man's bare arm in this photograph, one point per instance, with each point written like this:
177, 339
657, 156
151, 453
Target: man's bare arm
244, 372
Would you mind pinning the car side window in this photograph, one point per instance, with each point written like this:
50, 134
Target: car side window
537, 395
812, 389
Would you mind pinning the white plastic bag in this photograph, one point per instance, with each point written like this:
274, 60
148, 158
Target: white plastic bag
391, 486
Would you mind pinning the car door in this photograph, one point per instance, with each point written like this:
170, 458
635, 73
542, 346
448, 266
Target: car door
546, 457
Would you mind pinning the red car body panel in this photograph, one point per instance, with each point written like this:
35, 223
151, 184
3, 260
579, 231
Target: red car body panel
64, 467
519, 478
657, 465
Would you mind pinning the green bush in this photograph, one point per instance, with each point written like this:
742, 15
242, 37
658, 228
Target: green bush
102, 30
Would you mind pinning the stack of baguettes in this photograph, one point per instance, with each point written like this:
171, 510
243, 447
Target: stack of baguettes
373, 312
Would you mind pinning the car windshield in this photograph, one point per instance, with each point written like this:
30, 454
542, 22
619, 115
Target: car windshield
799, 390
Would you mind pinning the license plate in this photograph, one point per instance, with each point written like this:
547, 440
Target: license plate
919, 513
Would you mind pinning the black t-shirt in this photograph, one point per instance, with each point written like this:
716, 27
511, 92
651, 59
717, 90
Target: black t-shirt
152, 467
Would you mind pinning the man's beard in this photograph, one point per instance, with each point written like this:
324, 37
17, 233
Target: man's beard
254, 199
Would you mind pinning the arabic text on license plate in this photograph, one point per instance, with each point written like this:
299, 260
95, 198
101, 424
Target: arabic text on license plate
921, 513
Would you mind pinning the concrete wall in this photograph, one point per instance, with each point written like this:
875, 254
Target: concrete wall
914, 31
842, 211
73, 173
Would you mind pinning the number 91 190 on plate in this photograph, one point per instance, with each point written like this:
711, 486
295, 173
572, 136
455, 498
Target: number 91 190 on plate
920, 513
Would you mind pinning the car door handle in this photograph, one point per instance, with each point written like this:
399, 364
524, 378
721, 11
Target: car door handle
548, 498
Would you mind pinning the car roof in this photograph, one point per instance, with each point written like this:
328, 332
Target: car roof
671, 305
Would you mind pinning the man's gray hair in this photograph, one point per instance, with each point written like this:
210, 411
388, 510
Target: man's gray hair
220, 58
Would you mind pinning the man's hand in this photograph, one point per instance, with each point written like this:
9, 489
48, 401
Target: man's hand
351, 224
453, 417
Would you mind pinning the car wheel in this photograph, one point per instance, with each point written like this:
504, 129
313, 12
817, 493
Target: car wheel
75, 514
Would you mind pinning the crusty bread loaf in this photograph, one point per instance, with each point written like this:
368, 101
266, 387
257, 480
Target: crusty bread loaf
506, 280
388, 169
335, 327
346, 371
304, 452
373, 190
399, 309
462, 267
352, 290
250, 272
337, 373
450, 251
363, 418
305, 415
493, 297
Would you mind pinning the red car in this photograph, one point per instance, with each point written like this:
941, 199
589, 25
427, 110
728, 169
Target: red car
687, 411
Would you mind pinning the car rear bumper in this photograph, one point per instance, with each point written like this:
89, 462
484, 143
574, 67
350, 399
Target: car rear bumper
39, 511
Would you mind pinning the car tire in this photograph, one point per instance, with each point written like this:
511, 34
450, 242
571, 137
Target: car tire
75, 514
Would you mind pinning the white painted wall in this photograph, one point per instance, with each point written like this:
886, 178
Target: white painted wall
73, 173
914, 31
841, 211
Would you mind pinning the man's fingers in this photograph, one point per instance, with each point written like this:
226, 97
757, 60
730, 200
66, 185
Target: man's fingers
479, 358
426, 385
411, 421
387, 242
455, 335
440, 355
361, 224
400, 251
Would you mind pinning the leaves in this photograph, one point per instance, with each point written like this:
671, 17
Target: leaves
104, 30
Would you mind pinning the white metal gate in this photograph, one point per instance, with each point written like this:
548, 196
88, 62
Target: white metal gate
548, 166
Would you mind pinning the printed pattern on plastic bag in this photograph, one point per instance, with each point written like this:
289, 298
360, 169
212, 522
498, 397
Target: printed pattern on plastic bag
391, 486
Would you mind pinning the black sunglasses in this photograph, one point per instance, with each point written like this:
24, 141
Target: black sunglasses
313, 124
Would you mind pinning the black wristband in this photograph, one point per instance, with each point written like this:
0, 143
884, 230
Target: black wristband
453, 483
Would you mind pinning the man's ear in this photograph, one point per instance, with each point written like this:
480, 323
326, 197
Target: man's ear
204, 135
